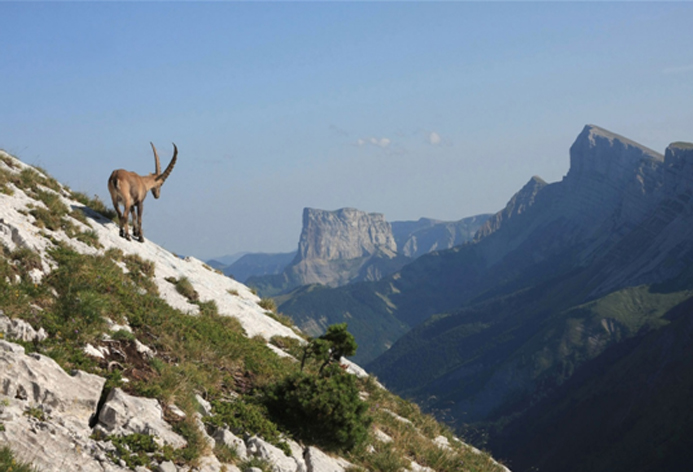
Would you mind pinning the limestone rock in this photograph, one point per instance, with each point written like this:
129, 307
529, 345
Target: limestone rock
58, 438
318, 461
230, 440
275, 456
344, 234
39, 380
126, 414
20, 330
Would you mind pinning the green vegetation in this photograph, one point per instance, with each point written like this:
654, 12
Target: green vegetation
137, 450
185, 288
268, 304
323, 409
9, 464
95, 204
36, 412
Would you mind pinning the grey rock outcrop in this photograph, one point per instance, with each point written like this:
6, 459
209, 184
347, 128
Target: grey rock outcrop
20, 330
318, 461
125, 414
46, 413
39, 380
337, 247
344, 234
280, 462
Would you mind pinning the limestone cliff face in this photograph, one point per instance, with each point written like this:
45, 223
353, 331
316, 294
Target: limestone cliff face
342, 246
344, 234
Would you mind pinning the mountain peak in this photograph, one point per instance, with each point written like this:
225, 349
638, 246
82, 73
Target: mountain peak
600, 153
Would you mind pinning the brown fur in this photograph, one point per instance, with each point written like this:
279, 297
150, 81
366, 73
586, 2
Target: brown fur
130, 189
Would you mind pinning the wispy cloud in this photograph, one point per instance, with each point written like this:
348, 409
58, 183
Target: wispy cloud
379, 142
678, 69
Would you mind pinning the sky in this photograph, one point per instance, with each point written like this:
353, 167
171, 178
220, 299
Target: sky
414, 109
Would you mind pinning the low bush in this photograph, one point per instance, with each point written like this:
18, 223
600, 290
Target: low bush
321, 409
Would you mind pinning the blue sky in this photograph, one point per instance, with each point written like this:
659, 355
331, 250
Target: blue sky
441, 110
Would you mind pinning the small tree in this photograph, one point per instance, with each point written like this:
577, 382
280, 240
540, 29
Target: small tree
336, 343
324, 408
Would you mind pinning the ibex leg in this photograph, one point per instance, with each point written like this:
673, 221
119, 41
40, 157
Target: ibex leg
138, 225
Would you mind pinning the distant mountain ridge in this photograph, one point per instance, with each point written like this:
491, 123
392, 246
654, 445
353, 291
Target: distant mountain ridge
416, 238
563, 273
349, 245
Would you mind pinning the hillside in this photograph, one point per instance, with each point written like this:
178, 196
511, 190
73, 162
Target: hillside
118, 355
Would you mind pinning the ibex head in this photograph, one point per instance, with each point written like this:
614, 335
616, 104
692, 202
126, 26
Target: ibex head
159, 177
130, 189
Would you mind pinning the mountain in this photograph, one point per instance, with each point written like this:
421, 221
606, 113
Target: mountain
336, 248
348, 245
257, 264
565, 272
117, 355
416, 238
223, 261
623, 411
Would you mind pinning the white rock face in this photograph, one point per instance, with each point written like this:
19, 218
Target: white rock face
20, 330
275, 456
318, 461
124, 414
230, 440
39, 380
60, 441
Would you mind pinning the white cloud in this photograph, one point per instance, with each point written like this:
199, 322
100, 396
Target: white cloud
434, 138
379, 142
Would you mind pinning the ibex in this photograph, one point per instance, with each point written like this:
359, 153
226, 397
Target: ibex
130, 189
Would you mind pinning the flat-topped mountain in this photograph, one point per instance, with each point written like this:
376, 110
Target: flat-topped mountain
348, 245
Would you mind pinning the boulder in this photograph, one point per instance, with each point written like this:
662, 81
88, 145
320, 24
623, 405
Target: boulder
318, 461
280, 462
125, 414
40, 381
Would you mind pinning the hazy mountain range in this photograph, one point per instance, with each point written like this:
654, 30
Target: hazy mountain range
346, 245
524, 330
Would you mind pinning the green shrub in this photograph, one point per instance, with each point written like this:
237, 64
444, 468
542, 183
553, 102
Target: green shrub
134, 449
243, 417
321, 409
336, 343
185, 288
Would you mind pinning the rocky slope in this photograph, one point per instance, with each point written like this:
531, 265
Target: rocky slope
75, 295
